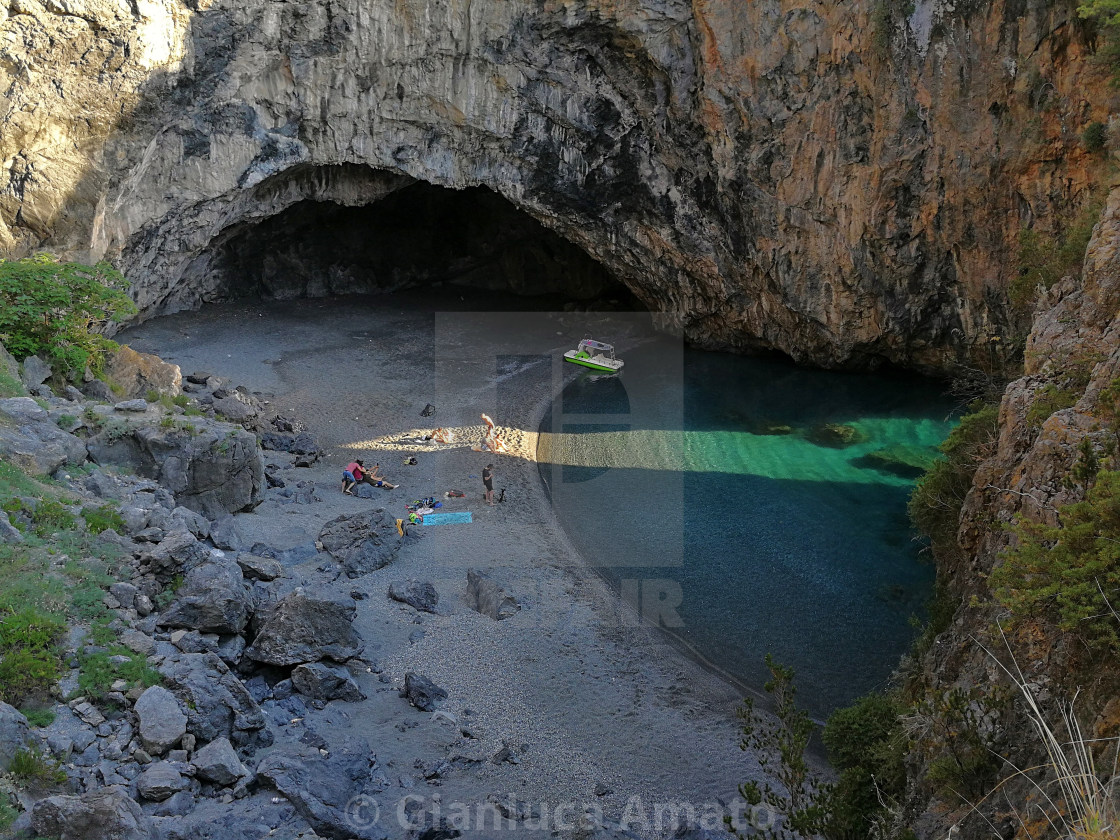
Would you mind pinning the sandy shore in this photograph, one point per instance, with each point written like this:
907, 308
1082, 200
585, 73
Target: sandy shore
598, 712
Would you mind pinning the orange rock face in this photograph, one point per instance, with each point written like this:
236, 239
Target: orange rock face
833, 180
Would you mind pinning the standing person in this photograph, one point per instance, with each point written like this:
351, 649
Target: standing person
353, 473
488, 483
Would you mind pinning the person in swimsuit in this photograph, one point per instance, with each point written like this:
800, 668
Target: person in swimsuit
375, 478
488, 483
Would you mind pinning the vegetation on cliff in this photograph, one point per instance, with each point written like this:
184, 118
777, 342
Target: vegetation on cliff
1068, 573
55, 308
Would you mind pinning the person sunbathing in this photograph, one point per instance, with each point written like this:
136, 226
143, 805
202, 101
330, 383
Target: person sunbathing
375, 478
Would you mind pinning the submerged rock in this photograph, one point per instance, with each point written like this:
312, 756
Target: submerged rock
836, 435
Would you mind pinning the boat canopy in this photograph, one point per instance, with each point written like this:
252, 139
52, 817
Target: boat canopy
591, 344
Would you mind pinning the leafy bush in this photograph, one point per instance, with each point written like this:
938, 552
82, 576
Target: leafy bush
50, 517
866, 744
29, 661
1094, 137
935, 503
103, 518
1044, 259
1048, 399
53, 308
1069, 573
801, 795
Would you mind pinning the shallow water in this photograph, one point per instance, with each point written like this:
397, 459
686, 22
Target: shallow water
680, 483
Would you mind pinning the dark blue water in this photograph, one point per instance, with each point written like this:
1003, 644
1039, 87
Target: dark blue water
711, 492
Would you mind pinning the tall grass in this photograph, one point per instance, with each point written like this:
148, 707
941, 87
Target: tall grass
1079, 802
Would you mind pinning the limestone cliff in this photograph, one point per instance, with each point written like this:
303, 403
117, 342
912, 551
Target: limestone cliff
1073, 350
835, 180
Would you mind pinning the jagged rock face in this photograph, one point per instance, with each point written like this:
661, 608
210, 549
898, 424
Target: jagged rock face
1076, 327
840, 185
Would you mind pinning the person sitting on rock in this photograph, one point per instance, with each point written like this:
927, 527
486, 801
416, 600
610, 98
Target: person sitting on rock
354, 472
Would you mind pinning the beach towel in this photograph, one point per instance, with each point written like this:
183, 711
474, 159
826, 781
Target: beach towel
459, 517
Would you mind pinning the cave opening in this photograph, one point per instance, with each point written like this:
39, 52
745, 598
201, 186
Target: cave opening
418, 237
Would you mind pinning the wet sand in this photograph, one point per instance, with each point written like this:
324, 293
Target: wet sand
587, 700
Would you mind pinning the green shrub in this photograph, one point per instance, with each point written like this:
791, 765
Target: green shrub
97, 672
867, 745
1044, 259
181, 400
53, 308
800, 795
88, 601
1069, 574
29, 657
935, 503
1094, 137
104, 518
1048, 399
38, 716
50, 517
164, 598
30, 766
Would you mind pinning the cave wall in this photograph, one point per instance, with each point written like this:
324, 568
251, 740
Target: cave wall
840, 184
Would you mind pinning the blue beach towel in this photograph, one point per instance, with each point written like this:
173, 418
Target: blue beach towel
448, 518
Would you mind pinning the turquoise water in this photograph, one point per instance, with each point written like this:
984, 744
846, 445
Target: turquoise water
713, 481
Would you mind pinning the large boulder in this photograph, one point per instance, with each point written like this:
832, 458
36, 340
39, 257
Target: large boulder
323, 789
302, 627
362, 542
138, 373
99, 815
218, 762
8, 364
161, 722
259, 568
421, 692
160, 781
35, 372
420, 594
320, 681
218, 704
32, 441
484, 595
213, 598
14, 734
214, 469
8, 532
176, 554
